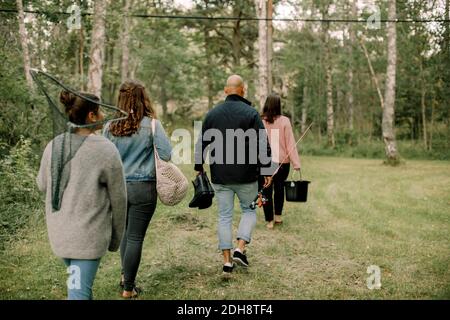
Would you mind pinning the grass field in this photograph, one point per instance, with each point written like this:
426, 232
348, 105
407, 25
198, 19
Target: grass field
359, 213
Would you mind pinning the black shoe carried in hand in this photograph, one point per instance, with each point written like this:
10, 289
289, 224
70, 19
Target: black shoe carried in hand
204, 192
240, 258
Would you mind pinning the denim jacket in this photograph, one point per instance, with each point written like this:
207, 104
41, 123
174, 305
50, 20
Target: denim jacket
137, 151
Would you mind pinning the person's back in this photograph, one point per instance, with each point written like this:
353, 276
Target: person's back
239, 150
234, 118
82, 177
137, 151
83, 226
282, 140
134, 139
284, 151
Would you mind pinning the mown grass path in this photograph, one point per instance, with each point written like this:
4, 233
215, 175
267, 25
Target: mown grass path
359, 213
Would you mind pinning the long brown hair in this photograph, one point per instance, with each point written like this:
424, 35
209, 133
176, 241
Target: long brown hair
77, 108
272, 108
133, 99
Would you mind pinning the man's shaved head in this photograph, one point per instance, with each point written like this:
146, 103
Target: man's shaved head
235, 81
235, 85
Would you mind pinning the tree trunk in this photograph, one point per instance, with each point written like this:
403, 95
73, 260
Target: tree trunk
110, 66
430, 142
252, 66
372, 73
81, 58
304, 108
330, 112
164, 97
293, 119
352, 36
209, 62
446, 50
262, 55
350, 99
446, 65
269, 45
329, 79
125, 39
389, 94
319, 131
236, 39
338, 108
423, 106
97, 51
24, 43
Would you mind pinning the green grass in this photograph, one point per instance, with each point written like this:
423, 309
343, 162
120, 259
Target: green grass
359, 213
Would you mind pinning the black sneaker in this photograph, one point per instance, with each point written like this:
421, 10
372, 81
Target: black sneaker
240, 258
227, 270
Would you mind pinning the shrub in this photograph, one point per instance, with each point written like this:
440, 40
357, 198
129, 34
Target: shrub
18, 189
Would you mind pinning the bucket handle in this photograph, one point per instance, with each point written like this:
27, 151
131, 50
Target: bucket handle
299, 172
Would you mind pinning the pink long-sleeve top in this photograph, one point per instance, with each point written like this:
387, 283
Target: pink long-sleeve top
282, 141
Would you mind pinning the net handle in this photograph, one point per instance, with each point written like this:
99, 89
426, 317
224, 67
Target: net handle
34, 74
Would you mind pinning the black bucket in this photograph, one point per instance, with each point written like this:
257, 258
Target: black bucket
296, 191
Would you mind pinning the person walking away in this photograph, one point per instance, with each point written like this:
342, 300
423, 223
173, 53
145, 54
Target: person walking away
82, 177
134, 139
236, 166
284, 152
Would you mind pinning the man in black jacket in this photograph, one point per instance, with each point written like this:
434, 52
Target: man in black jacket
239, 153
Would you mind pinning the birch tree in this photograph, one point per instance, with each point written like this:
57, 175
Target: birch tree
24, 43
125, 39
389, 94
97, 51
329, 80
262, 51
269, 45
350, 100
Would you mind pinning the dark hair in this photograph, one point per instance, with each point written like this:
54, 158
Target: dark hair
272, 108
78, 108
133, 98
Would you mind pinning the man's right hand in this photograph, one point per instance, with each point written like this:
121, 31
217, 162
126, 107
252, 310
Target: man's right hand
267, 182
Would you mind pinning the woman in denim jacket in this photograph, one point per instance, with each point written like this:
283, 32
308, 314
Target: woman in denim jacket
134, 140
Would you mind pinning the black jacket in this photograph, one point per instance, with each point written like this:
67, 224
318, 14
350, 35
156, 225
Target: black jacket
234, 166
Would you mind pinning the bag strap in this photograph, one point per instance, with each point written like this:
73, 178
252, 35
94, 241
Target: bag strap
154, 146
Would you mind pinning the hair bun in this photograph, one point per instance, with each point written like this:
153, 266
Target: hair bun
67, 99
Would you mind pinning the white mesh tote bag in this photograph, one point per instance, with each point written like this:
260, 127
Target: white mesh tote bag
171, 184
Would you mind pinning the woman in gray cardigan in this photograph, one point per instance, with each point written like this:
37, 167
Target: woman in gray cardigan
86, 199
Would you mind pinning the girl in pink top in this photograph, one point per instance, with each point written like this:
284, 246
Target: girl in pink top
284, 152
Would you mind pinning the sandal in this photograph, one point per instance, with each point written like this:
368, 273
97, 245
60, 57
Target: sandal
278, 219
134, 293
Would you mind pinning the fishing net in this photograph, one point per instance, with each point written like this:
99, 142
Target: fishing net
66, 141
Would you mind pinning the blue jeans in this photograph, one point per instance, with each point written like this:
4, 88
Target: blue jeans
245, 192
81, 278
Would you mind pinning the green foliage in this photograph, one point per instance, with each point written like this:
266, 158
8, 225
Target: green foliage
18, 190
422, 65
